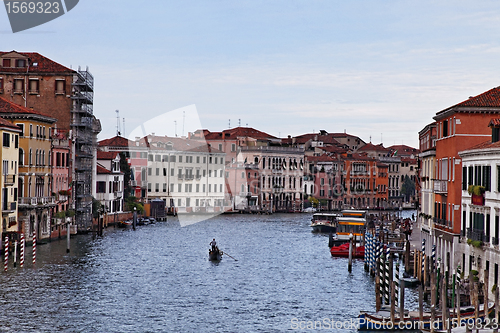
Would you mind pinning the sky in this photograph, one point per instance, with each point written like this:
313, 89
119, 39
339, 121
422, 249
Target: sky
377, 69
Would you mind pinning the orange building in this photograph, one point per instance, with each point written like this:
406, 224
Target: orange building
458, 128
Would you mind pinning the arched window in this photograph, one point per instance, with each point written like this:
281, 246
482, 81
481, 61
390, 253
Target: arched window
21, 156
20, 188
31, 157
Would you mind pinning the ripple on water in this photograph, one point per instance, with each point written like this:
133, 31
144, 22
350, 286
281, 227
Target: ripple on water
158, 279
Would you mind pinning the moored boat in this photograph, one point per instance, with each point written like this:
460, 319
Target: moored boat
381, 321
324, 222
343, 251
124, 224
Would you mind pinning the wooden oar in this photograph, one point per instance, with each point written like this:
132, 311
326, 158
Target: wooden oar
229, 256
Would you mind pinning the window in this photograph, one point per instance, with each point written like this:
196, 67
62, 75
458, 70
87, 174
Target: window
21, 126
157, 171
1, 84
60, 87
6, 63
180, 159
18, 86
6, 140
101, 187
172, 172
220, 146
172, 158
164, 187
233, 147
220, 174
149, 187
165, 158
215, 161
150, 158
197, 187
149, 171
20, 63
157, 187
210, 160
179, 187
157, 158
34, 86
198, 159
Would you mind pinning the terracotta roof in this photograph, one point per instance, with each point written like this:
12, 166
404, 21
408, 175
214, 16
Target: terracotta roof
233, 133
102, 170
8, 107
404, 150
8, 124
490, 98
371, 147
322, 158
485, 145
116, 141
43, 64
106, 155
178, 144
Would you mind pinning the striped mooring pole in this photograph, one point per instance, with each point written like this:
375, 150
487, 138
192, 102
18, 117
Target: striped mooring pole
423, 258
387, 278
396, 280
21, 251
6, 258
381, 271
34, 247
15, 253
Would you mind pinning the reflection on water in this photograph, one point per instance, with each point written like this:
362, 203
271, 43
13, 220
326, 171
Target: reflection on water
158, 279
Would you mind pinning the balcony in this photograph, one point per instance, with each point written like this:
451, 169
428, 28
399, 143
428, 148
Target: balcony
118, 194
37, 201
476, 235
188, 177
9, 180
180, 176
198, 177
441, 186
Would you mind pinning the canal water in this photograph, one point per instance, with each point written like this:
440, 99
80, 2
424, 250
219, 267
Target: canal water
158, 279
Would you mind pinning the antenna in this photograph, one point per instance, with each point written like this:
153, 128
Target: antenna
229, 123
124, 127
239, 122
175, 122
183, 119
117, 122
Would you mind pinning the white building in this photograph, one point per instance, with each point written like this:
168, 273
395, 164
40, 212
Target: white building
478, 247
188, 173
109, 181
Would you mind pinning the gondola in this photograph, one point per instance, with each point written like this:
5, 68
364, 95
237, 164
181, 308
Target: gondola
215, 255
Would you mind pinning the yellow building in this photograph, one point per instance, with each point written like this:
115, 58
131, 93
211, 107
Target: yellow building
9, 133
34, 181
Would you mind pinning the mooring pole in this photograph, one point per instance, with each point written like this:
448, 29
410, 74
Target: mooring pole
15, 253
68, 234
349, 267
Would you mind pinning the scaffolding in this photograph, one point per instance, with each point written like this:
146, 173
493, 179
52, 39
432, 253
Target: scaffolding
83, 125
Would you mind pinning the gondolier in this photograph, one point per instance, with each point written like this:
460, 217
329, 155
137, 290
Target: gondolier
213, 243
